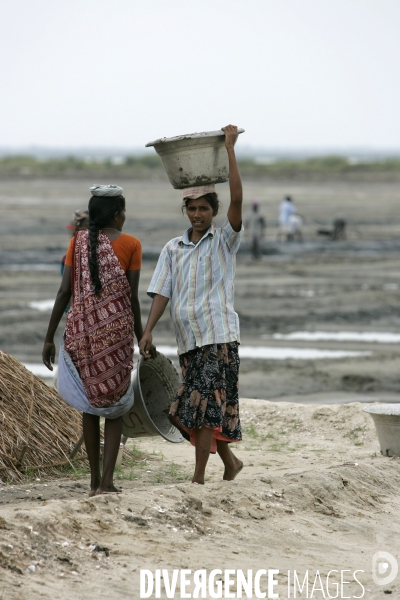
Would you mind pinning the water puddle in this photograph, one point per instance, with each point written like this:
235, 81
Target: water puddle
277, 353
42, 305
30, 267
390, 286
40, 370
252, 352
307, 293
379, 337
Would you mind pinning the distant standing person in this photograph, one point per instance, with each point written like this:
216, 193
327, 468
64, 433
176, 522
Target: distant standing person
255, 225
339, 228
289, 220
80, 222
295, 225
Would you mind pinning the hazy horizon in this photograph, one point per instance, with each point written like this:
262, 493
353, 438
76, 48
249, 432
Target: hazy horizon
299, 74
242, 151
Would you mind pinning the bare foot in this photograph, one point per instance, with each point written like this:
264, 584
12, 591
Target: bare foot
94, 484
107, 490
230, 474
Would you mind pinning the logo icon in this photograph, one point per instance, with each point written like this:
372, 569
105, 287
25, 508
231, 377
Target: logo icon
384, 568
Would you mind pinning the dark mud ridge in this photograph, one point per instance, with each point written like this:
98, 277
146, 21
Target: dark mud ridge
53, 255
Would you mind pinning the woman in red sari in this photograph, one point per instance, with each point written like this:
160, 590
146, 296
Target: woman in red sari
102, 271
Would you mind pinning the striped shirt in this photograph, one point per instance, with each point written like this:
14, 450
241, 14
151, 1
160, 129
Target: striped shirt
198, 280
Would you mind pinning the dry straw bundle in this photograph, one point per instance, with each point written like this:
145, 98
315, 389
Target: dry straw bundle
38, 430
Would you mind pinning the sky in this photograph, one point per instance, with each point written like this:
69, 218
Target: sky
295, 74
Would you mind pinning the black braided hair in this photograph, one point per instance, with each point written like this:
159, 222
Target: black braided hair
212, 199
101, 213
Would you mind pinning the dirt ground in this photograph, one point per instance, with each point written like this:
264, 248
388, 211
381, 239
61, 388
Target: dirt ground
315, 493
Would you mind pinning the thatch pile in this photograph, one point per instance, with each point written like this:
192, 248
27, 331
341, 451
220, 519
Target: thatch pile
38, 430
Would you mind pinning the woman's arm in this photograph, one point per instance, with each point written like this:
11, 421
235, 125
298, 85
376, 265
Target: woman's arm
62, 299
235, 182
133, 280
156, 311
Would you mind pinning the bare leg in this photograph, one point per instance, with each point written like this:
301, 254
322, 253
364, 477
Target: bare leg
255, 249
204, 437
112, 439
91, 435
233, 465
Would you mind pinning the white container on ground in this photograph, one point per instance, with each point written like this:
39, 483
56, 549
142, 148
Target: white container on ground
195, 158
155, 383
386, 418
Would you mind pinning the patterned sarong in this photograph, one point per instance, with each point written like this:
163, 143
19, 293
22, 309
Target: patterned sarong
209, 394
69, 386
99, 330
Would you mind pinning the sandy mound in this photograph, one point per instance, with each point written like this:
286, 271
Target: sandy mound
315, 494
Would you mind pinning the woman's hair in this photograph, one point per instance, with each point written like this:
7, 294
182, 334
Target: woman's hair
101, 212
212, 199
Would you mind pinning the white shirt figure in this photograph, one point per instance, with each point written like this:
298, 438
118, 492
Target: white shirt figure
295, 224
286, 209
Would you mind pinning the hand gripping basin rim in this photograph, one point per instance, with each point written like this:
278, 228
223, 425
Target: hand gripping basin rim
155, 383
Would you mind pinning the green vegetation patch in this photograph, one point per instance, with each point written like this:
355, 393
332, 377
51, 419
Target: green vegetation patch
150, 166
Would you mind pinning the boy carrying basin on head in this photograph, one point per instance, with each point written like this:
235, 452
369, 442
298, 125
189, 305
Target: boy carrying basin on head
195, 273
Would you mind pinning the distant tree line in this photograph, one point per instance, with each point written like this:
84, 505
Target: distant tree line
150, 166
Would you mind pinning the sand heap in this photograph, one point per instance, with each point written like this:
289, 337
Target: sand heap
38, 430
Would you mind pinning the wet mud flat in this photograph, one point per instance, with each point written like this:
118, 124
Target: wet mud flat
319, 285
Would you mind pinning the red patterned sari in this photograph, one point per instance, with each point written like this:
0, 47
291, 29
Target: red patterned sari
99, 330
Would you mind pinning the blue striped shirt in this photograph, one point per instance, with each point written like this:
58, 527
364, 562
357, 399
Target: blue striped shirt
198, 280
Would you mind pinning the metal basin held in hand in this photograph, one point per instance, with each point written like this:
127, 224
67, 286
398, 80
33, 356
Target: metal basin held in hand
155, 383
194, 158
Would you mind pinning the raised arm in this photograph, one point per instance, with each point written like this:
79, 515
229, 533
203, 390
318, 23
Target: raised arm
235, 182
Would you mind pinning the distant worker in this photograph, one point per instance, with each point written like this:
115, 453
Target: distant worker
295, 226
290, 222
80, 222
254, 226
339, 228
338, 231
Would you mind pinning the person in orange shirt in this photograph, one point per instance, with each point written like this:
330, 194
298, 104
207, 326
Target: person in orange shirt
101, 274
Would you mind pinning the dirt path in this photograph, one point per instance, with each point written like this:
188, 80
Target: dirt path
315, 494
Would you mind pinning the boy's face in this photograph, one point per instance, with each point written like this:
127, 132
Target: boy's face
200, 214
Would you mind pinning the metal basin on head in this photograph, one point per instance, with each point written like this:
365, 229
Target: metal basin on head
386, 419
194, 158
155, 383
